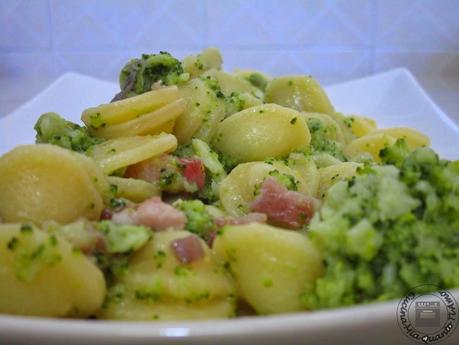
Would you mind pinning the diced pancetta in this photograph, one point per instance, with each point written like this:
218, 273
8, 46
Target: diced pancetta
283, 207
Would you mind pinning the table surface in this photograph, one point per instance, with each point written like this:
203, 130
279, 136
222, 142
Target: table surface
16, 91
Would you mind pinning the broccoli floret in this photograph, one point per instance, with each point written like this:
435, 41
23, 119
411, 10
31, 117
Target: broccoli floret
53, 129
388, 230
139, 75
199, 221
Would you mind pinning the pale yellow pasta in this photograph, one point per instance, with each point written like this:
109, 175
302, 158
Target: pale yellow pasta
302, 93
155, 122
271, 266
344, 124
114, 154
230, 83
41, 275
334, 173
240, 187
158, 286
370, 144
308, 171
413, 138
129, 108
361, 125
246, 73
324, 159
97, 175
260, 132
195, 65
203, 109
45, 182
333, 129
133, 189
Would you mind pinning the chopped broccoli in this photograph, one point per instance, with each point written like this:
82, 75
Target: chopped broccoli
139, 75
33, 251
388, 230
258, 80
287, 180
199, 221
395, 154
209, 158
122, 238
53, 129
320, 141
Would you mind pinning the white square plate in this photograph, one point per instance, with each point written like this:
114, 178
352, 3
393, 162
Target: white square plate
393, 98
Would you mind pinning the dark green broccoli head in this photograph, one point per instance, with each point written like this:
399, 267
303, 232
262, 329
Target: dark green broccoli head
138, 75
53, 129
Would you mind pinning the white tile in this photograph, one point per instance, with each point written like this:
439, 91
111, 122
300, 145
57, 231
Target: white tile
414, 24
24, 24
290, 22
104, 24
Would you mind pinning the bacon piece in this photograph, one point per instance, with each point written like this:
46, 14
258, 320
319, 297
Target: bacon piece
187, 249
253, 217
283, 207
194, 171
153, 213
106, 214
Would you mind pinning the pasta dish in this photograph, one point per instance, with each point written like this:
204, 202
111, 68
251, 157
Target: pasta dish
199, 194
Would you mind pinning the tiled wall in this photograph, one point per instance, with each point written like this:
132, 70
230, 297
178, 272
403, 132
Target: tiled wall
332, 40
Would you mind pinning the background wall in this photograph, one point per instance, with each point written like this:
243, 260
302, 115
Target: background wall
332, 40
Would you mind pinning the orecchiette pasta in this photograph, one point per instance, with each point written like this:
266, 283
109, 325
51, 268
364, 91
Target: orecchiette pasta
370, 144
41, 275
332, 128
133, 189
128, 109
159, 286
412, 137
202, 194
242, 185
302, 93
196, 65
155, 122
45, 182
361, 125
260, 132
203, 109
334, 173
231, 84
119, 153
284, 263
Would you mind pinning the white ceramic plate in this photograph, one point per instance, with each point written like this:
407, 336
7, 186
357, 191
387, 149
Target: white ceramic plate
392, 98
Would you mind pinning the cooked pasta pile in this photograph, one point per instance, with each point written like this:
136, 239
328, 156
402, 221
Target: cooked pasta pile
197, 193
